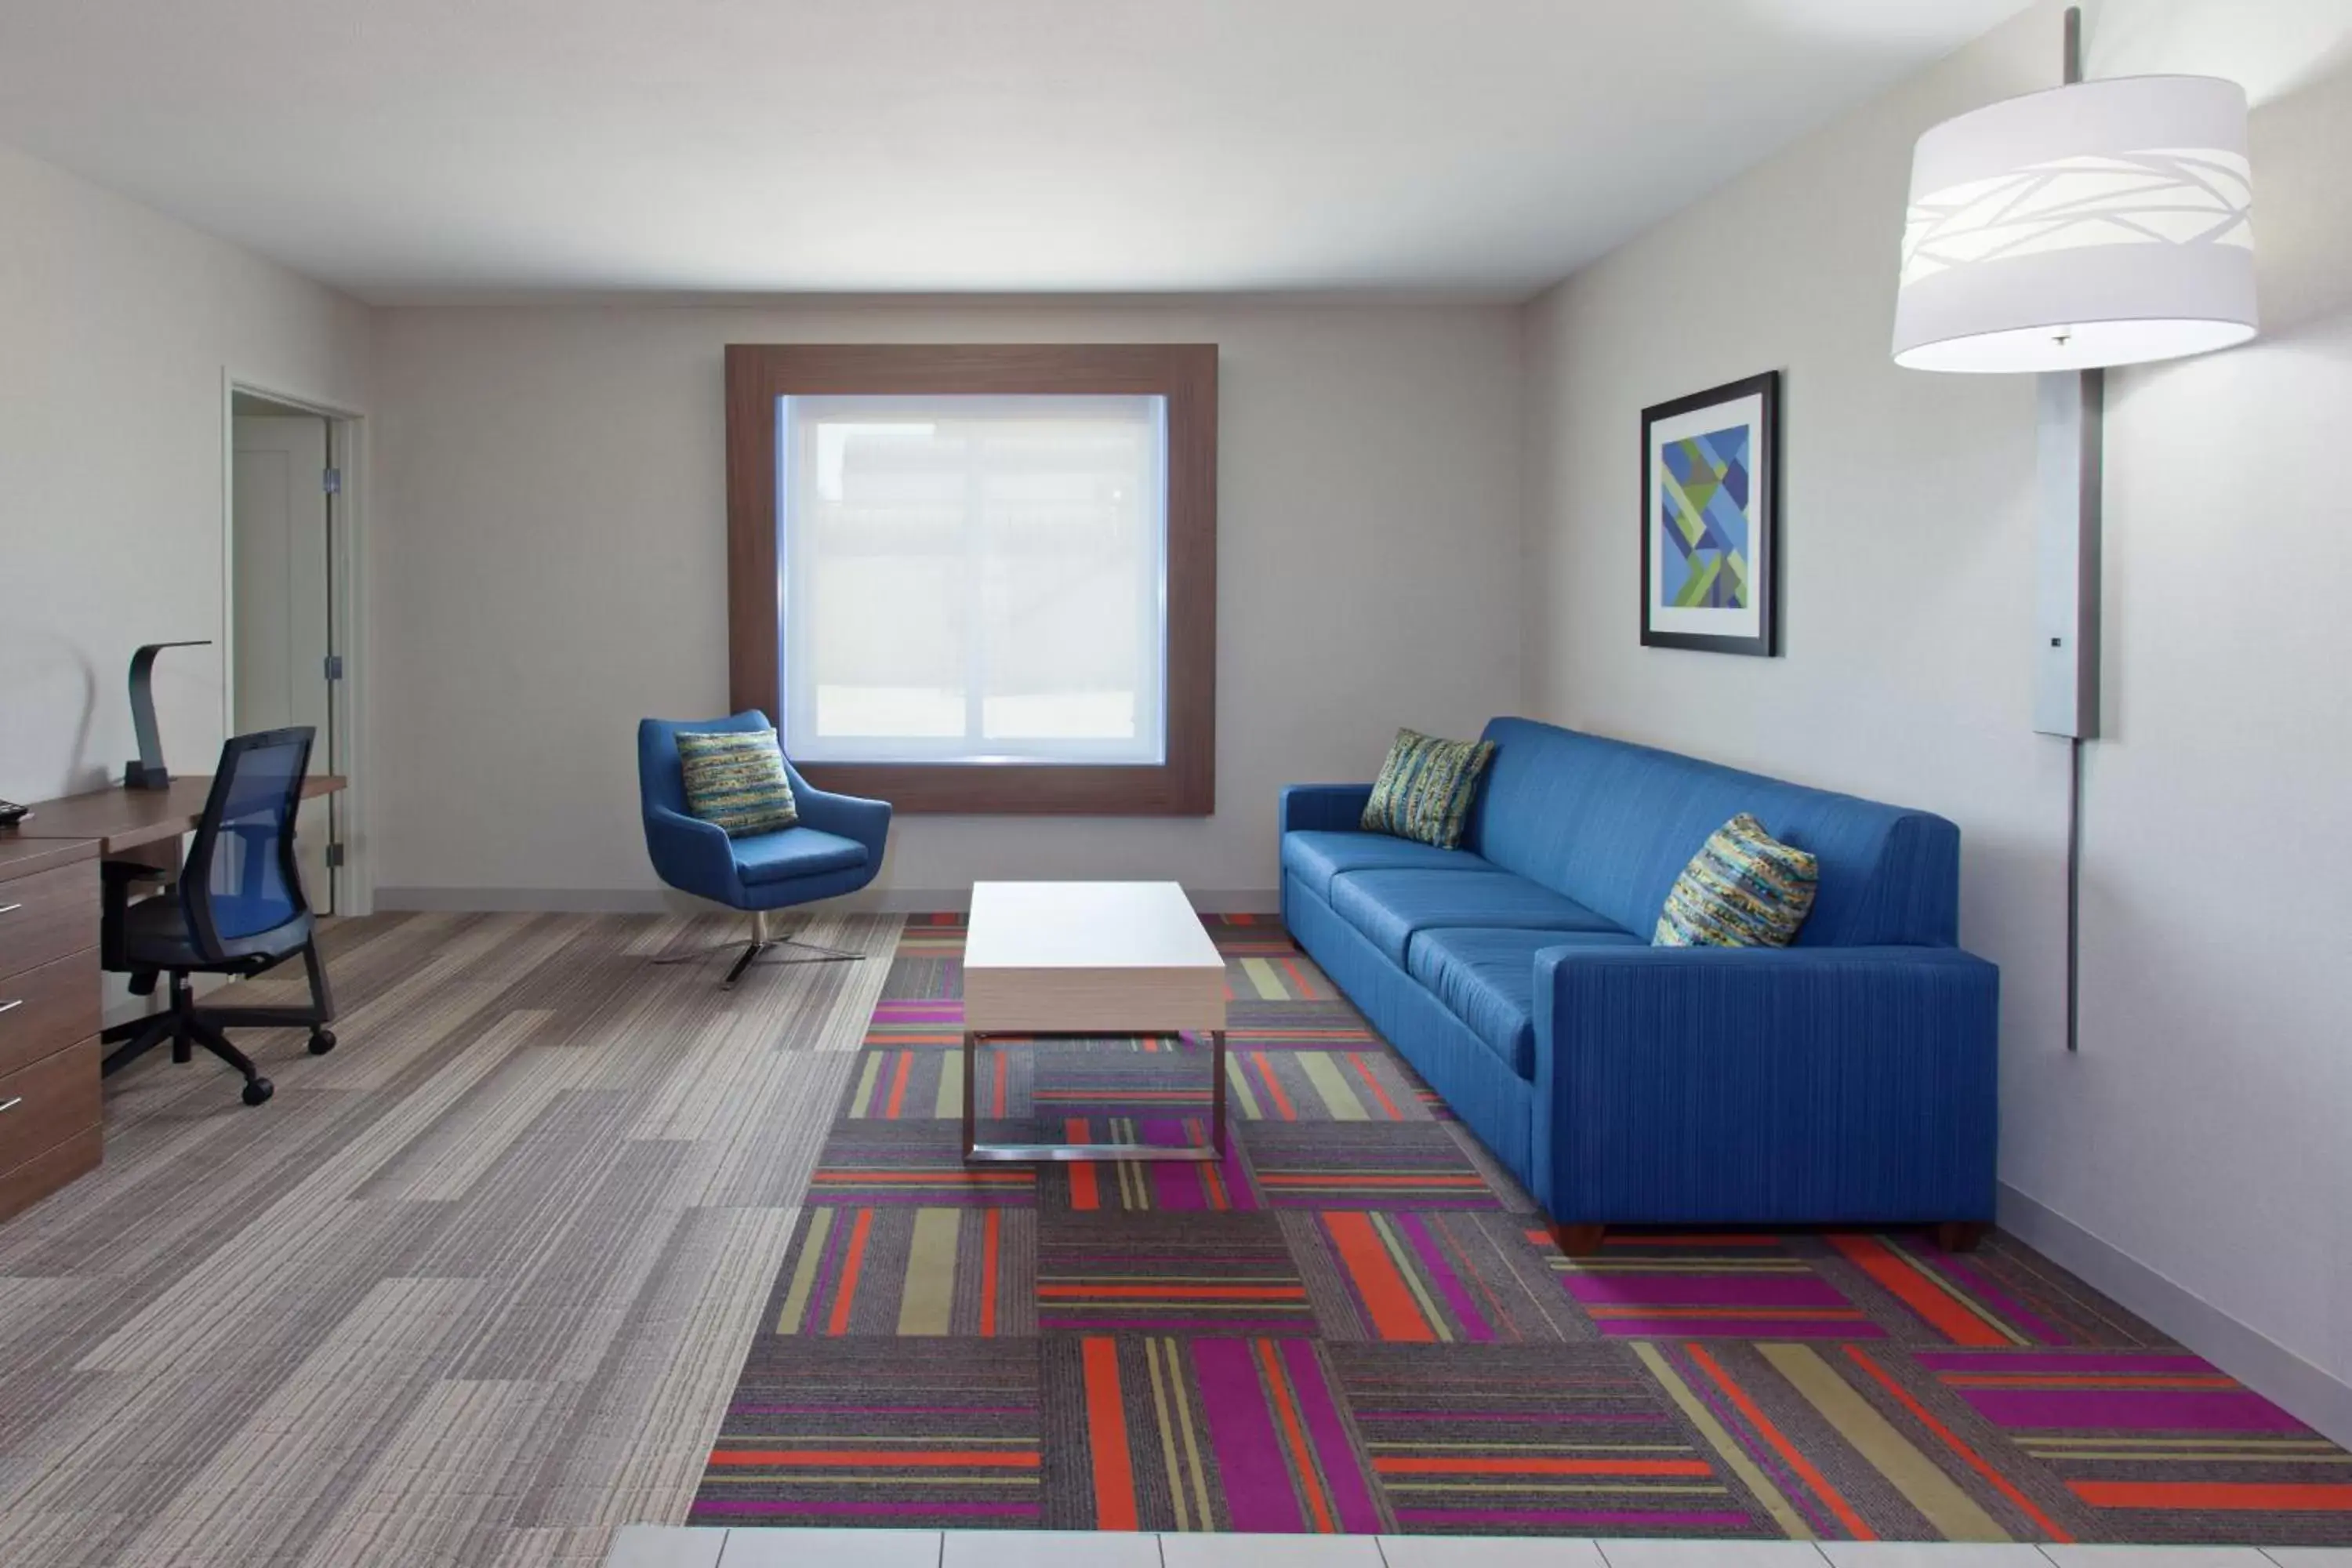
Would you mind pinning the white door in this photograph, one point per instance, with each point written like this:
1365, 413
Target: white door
284, 627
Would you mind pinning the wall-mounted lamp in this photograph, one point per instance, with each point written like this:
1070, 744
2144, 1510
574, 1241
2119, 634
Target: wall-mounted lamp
2096, 224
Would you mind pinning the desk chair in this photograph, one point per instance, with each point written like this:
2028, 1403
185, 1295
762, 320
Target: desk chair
237, 908
835, 847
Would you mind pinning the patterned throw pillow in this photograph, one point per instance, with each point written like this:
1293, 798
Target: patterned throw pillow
1424, 788
1743, 888
738, 781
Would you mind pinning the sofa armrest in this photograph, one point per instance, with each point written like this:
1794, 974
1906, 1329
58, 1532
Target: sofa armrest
1324, 807
1723, 1084
692, 856
850, 815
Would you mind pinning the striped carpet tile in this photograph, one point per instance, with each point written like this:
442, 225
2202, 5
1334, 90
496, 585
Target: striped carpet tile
1354, 1322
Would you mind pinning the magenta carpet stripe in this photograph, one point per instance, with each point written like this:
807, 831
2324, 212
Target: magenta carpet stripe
2128, 1410
1705, 1290
769, 1506
1250, 1460
2092, 1363
1329, 1436
1557, 1518
1475, 1326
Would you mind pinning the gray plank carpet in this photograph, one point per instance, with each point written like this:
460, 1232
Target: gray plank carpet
471, 1290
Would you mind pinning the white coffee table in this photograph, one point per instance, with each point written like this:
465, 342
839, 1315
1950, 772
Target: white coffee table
1128, 960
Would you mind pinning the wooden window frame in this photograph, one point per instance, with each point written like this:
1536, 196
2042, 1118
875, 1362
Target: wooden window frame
1184, 782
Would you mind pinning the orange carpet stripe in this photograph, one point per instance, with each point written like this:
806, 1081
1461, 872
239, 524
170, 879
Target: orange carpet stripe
1274, 1090
2219, 1497
1114, 1468
1298, 979
1396, 1317
1302, 1456
848, 1291
899, 1087
1467, 1465
1805, 1467
1364, 1070
1186, 1293
1086, 1183
991, 1227
910, 1458
1916, 1292
1951, 1440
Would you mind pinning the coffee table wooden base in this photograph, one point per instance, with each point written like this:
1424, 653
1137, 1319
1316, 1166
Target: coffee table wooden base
976, 1153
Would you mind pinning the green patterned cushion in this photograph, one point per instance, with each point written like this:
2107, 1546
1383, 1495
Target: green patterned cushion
1743, 888
1424, 788
736, 781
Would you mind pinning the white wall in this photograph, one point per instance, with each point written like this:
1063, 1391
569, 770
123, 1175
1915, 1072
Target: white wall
2201, 1132
551, 565
116, 327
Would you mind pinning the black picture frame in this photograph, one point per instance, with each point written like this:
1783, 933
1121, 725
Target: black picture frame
1764, 577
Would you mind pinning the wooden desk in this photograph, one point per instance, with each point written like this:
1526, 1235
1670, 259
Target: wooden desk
123, 819
51, 1129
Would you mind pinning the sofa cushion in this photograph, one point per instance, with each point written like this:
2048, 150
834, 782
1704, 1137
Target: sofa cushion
736, 780
1487, 977
1388, 907
1743, 888
1425, 788
1315, 858
794, 853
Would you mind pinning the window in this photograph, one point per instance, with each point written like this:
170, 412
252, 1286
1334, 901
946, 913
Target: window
979, 578
973, 579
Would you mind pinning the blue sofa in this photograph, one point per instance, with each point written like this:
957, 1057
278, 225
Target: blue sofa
1849, 1079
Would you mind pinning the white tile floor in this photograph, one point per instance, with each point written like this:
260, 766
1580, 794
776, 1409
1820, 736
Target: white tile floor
647, 1546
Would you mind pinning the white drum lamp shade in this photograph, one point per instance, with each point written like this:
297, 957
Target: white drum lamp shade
2105, 223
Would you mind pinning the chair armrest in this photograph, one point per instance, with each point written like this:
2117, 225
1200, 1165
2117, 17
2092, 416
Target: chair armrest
1845, 1083
1324, 807
850, 815
692, 855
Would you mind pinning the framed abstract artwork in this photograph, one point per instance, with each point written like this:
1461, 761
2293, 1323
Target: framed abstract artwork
1711, 520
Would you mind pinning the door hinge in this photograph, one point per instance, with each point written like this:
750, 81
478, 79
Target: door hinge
334, 857
331, 481
334, 666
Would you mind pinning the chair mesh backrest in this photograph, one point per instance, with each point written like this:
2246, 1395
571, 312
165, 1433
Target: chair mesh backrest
240, 878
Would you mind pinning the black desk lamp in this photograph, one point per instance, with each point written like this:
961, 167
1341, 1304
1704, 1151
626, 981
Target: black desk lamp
147, 771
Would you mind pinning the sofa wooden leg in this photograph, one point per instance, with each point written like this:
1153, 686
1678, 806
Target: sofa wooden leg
1579, 1240
1960, 1235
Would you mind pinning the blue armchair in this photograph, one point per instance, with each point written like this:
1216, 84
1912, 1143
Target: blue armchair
836, 848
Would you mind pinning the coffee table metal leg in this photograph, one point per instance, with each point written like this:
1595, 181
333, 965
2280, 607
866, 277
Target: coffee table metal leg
971, 1075
1217, 1068
976, 1153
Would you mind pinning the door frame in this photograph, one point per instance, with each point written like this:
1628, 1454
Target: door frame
354, 886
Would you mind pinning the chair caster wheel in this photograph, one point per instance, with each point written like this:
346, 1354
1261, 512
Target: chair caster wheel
258, 1090
321, 1041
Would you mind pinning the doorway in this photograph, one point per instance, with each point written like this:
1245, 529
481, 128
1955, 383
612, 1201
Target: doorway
285, 665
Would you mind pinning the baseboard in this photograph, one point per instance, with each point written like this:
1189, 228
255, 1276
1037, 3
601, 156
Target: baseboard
2310, 1394
652, 901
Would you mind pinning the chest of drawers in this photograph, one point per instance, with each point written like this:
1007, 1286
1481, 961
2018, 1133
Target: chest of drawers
49, 1100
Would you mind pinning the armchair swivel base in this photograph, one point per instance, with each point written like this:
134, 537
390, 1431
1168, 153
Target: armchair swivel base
762, 949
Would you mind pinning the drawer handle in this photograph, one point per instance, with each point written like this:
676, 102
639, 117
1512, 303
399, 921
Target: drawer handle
14, 1103
10, 909
11, 1006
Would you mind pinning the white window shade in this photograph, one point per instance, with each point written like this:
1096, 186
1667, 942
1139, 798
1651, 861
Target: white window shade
973, 579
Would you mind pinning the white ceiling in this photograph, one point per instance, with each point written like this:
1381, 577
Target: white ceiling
408, 148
